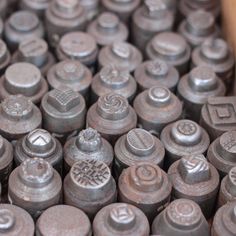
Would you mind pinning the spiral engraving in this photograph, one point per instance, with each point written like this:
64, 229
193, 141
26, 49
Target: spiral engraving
7, 219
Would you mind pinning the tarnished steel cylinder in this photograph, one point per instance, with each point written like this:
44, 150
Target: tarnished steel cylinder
122, 8
63, 220
25, 79
122, 54
34, 186
186, 7
136, 146
1, 27
88, 144
224, 222
111, 116
156, 73
63, 111
5, 56
6, 163
39, 143
196, 87
71, 74
182, 138
20, 26
182, 217
107, 29
151, 18
227, 191
35, 51
37, 6
63, 16
218, 116
156, 108
222, 152
198, 26
217, 54
78, 46
146, 186
18, 116
89, 186
194, 178
120, 219
171, 48
112, 78
15, 221
91, 7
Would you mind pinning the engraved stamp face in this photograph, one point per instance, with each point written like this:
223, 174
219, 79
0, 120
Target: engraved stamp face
222, 112
121, 49
122, 214
183, 213
187, 128
157, 68
63, 99
228, 141
90, 173
7, 219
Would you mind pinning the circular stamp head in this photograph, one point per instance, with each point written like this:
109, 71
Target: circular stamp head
114, 76
90, 174
17, 107
159, 96
145, 176
39, 141
183, 214
155, 7
33, 48
231, 182
108, 21
194, 169
228, 142
69, 70
214, 49
24, 21
35, 172
140, 142
89, 140
121, 50
186, 132
157, 68
22, 78
7, 220
202, 78
200, 22
112, 106
63, 99
121, 217
169, 45
77, 45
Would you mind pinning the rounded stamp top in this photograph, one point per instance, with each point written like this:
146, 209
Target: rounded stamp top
140, 142
114, 76
35, 172
90, 174
121, 217
186, 132
146, 177
78, 44
112, 106
184, 214
159, 95
228, 142
7, 220
122, 50
108, 20
157, 68
89, 140
24, 21
17, 107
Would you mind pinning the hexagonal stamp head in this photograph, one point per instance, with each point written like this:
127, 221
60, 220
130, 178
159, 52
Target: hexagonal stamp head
194, 169
63, 99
